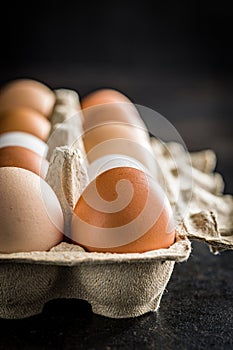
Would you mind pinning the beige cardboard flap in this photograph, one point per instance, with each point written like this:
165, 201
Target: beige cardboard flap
203, 226
204, 211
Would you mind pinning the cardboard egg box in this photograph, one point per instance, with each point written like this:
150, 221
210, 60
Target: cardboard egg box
116, 285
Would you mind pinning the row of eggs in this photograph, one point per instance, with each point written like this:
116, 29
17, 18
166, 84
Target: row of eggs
122, 209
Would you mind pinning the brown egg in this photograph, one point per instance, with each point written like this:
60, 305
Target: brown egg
123, 211
112, 125
20, 157
102, 96
117, 139
26, 120
30, 213
27, 93
108, 105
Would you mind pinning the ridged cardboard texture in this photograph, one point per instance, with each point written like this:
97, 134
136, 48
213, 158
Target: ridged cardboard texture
117, 285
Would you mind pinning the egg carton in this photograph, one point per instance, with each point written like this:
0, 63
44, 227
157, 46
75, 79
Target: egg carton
116, 285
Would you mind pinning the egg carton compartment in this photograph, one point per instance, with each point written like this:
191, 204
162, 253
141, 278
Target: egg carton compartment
116, 285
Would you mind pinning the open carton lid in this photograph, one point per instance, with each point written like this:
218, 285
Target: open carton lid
203, 226
209, 212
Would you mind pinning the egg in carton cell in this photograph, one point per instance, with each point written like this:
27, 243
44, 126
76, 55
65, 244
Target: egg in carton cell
116, 285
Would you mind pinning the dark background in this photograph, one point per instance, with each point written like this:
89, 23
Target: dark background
176, 58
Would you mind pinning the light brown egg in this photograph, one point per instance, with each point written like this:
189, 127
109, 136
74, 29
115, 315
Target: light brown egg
110, 106
103, 96
118, 139
112, 125
27, 93
123, 211
20, 157
30, 213
26, 120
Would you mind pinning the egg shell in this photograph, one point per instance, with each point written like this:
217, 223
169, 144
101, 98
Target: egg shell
118, 139
105, 105
110, 106
111, 131
26, 120
23, 139
27, 93
123, 211
30, 213
113, 125
102, 96
20, 157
